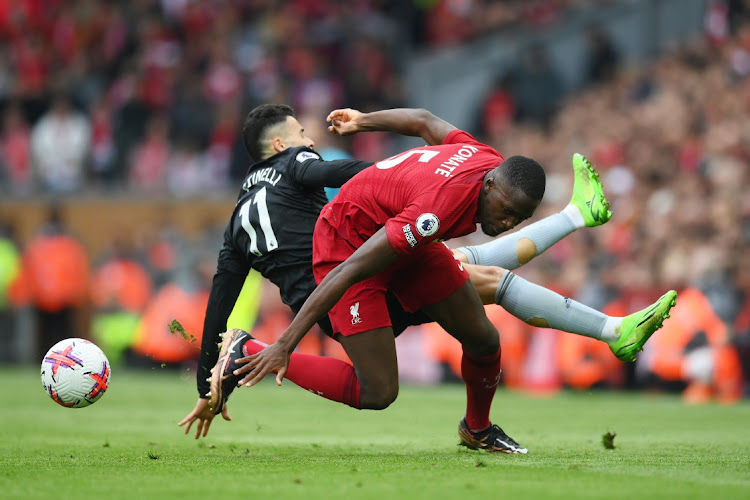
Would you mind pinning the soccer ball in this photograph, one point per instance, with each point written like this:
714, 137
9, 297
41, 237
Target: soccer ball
75, 373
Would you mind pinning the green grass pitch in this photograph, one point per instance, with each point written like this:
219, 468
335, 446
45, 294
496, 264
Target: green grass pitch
287, 443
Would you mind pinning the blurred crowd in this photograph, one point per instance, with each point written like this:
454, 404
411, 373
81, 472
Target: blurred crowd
148, 96
672, 143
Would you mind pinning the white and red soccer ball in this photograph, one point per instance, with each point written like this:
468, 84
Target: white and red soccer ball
75, 373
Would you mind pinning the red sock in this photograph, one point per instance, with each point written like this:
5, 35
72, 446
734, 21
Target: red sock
481, 376
327, 377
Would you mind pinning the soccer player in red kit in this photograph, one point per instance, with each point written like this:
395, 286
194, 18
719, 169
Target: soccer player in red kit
382, 232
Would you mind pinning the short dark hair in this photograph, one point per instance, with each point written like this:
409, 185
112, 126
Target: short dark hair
258, 121
525, 174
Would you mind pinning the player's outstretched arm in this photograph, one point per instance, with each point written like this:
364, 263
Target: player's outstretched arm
375, 255
404, 121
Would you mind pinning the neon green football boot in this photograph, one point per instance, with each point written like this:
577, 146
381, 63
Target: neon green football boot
588, 194
637, 328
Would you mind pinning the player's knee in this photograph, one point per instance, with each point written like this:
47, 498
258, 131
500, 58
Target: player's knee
487, 349
379, 398
486, 279
383, 402
485, 343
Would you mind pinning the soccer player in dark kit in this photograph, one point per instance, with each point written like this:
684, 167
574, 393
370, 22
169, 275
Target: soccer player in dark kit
452, 186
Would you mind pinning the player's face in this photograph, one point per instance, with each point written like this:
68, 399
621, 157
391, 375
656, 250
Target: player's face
502, 207
294, 134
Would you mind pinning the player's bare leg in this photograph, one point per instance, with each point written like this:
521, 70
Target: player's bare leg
373, 354
486, 280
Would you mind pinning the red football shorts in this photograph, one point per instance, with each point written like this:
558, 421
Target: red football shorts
427, 276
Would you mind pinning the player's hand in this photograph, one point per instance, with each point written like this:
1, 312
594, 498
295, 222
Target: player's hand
204, 416
272, 359
344, 121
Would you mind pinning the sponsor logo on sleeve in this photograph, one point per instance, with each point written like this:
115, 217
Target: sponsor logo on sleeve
303, 156
427, 224
409, 235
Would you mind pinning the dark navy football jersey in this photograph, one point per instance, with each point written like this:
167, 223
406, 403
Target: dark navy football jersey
273, 221
271, 231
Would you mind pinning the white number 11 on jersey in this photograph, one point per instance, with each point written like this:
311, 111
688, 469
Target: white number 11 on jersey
265, 223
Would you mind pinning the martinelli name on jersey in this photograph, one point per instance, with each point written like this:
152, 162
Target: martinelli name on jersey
269, 175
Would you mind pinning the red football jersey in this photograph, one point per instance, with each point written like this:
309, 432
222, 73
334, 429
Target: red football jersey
422, 195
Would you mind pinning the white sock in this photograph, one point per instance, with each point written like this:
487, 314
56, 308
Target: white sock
575, 216
611, 330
